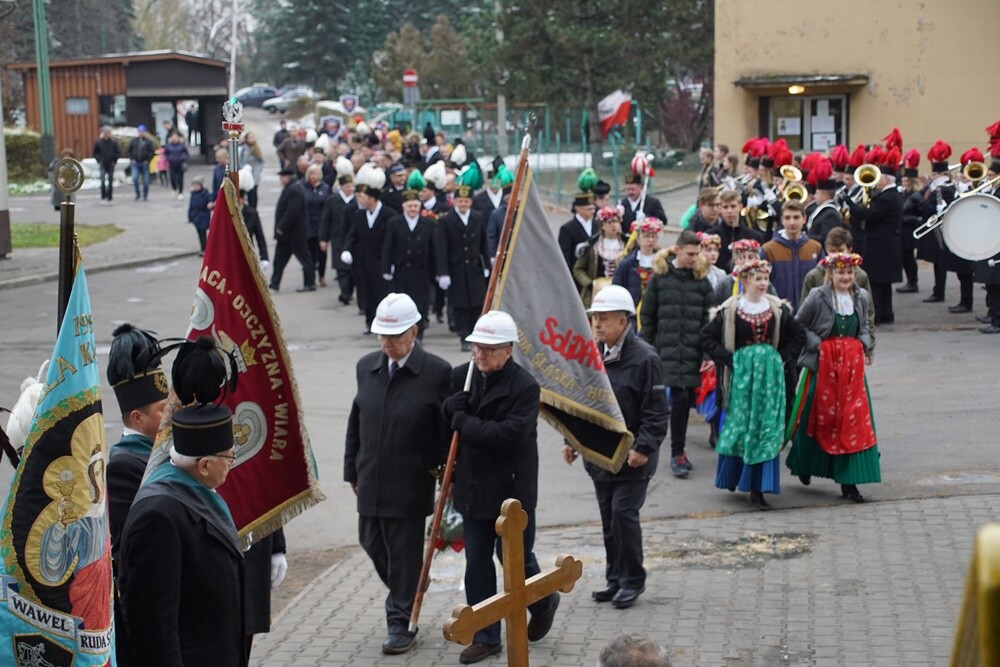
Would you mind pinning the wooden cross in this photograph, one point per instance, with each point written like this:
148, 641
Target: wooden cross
512, 604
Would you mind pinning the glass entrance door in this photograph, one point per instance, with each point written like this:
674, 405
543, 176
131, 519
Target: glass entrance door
808, 123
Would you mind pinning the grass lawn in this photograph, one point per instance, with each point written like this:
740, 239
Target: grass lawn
46, 235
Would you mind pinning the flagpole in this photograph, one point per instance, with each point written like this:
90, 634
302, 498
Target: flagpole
449, 466
67, 177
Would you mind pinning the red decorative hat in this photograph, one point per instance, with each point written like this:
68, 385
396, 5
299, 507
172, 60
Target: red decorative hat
744, 245
938, 154
751, 267
770, 149
857, 157
994, 130
748, 145
608, 214
972, 155
893, 140
647, 225
782, 157
840, 260
995, 147
820, 175
891, 161
840, 157
910, 163
875, 155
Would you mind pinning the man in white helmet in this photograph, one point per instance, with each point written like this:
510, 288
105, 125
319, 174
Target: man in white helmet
395, 437
497, 422
636, 376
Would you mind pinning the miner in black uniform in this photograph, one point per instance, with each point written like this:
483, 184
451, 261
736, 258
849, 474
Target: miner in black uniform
651, 207
408, 252
574, 234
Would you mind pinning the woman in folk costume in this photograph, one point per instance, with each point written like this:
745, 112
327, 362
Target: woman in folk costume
635, 267
710, 246
597, 265
832, 428
750, 339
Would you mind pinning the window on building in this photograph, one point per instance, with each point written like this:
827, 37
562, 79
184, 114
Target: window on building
112, 109
812, 123
79, 106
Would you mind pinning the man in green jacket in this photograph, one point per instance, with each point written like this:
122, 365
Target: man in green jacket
675, 307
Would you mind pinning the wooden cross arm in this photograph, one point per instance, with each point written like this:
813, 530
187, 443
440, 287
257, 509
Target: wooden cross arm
563, 579
465, 621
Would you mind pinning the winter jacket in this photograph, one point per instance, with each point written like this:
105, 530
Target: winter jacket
316, 197
817, 317
198, 212
141, 150
790, 262
675, 307
107, 152
176, 154
728, 235
636, 377
627, 276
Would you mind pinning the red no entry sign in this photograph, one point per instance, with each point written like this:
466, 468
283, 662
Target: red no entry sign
410, 78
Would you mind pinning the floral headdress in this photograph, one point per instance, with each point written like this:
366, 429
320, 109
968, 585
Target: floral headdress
710, 239
840, 260
753, 266
652, 225
608, 214
744, 244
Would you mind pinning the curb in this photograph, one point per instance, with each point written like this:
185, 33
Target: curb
100, 268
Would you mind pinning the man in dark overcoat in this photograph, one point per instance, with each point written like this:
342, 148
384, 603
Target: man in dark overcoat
497, 423
883, 219
636, 376
334, 225
291, 231
408, 255
395, 436
651, 206
462, 261
364, 242
182, 564
575, 233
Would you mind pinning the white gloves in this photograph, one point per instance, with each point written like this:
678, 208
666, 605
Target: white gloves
640, 215
962, 186
279, 567
346, 257
582, 248
755, 200
444, 282
264, 265
387, 276
486, 273
770, 195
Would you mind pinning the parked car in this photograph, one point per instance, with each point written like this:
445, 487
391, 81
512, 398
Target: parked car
287, 99
255, 95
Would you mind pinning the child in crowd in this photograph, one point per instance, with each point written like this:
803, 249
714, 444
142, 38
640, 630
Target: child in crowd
199, 213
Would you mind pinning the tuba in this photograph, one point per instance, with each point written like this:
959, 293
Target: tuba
974, 172
867, 176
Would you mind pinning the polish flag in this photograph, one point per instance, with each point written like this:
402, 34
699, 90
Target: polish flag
613, 110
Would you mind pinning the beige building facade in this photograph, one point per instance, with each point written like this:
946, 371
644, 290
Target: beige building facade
819, 73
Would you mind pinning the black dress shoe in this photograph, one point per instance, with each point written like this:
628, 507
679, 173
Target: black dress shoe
477, 653
850, 491
346, 300
273, 288
399, 642
933, 298
960, 308
626, 597
984, 319
307, 288
908, 288
992, 329
757, 499
439, 317
805, 479
539, 626
605, 595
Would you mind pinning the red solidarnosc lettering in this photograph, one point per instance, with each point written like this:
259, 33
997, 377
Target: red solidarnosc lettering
571, 345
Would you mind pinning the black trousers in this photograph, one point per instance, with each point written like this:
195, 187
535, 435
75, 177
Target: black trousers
177, 177
481, 542
993, 303
283, 251
620, 503
252, 197
346, 281
681, 400
965, 289
882, 302
202, 237
465, 320
318, 255
940, 279
107, 182
396, 548
910, 265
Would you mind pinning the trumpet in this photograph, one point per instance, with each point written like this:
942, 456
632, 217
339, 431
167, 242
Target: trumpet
867, 176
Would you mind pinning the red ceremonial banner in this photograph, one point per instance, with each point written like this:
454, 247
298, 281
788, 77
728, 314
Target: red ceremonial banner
274, 477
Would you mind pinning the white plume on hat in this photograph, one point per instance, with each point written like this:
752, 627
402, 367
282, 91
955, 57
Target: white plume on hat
246, 178
323, 142
311, 136
459, 155
362, 129
24, 410
371, 176
436, 174
343, 166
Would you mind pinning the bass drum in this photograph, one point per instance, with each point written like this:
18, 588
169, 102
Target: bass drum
971, 226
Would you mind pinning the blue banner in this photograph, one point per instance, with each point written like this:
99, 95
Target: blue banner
55, 589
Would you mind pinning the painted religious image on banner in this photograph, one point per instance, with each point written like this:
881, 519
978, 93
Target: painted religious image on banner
349, 102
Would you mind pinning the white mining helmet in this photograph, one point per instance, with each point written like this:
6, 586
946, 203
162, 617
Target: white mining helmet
395, 314
611, 299
494, 328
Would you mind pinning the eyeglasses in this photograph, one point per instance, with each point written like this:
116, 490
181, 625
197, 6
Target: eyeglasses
229, 457
488, 350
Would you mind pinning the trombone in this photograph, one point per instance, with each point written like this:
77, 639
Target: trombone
935, 220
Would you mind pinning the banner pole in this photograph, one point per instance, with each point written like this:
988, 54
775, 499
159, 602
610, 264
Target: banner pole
449, 466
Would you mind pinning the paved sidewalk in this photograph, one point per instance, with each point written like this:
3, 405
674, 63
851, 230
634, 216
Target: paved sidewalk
842, 585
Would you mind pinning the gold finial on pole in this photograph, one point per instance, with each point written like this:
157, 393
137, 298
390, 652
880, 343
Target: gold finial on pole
232, 111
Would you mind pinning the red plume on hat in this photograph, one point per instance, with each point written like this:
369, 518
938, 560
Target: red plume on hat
893, 140
839, 156
939, 152
821, 170
810, 160
749, 144
995, 147
972, 155
875, 155
763, 147
912, 159
891, 160
782, 157
994, 130
857, 157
